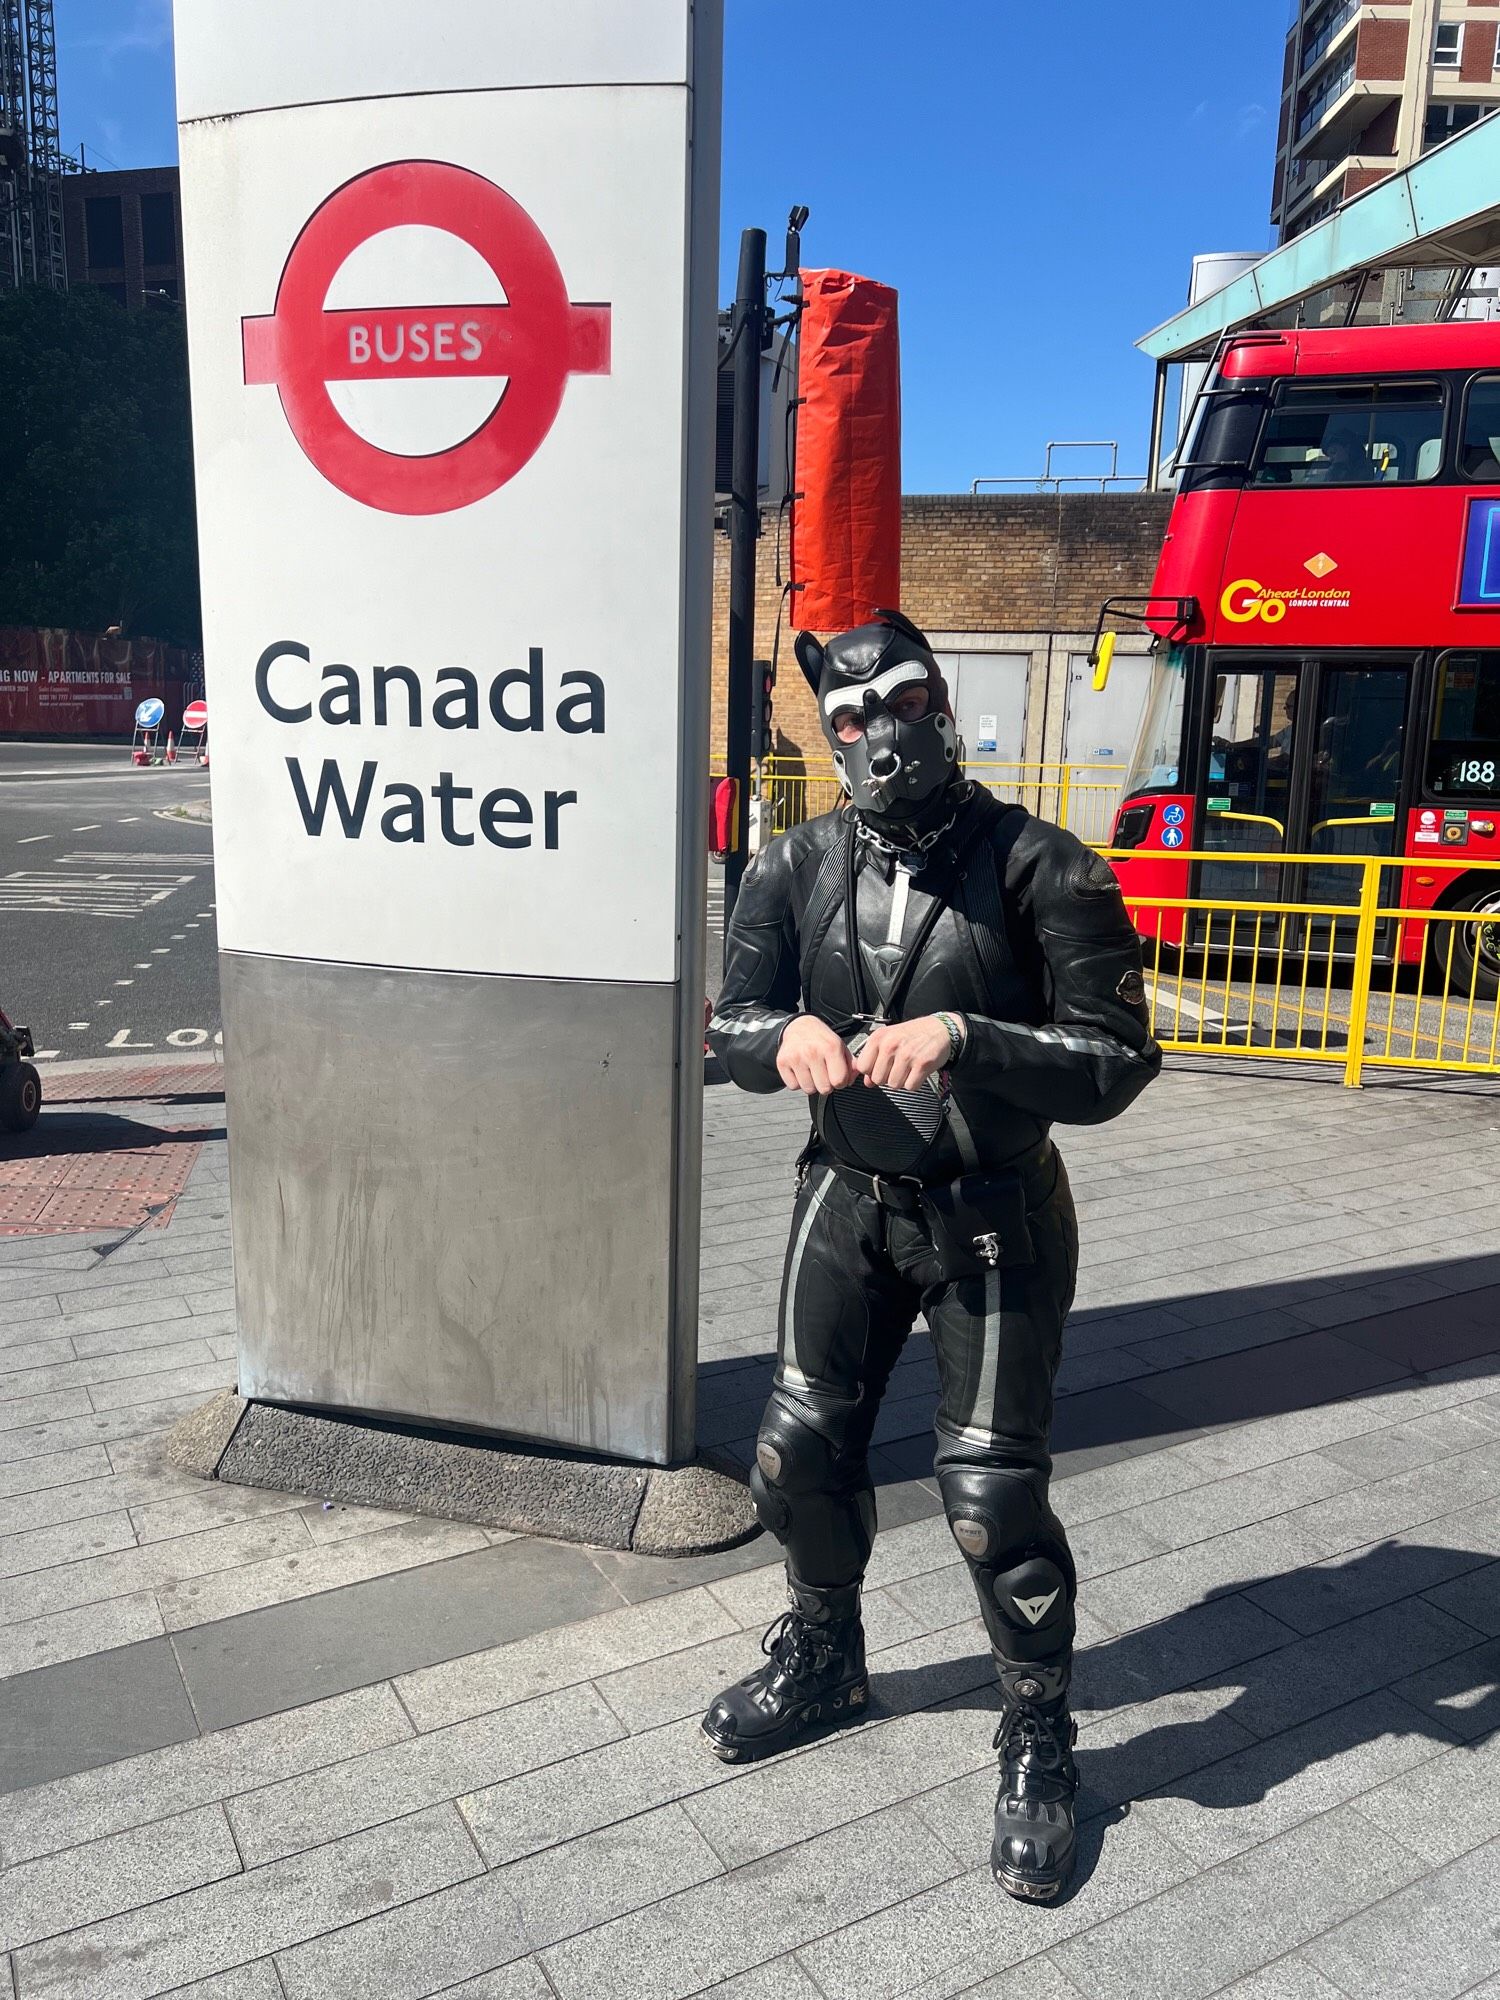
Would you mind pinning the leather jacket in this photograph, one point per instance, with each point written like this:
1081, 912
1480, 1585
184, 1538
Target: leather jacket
1032, 946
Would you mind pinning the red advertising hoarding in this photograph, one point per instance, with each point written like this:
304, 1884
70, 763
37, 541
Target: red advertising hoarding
83, 684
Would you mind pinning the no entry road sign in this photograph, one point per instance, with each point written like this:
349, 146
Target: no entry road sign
195, 715
536, 340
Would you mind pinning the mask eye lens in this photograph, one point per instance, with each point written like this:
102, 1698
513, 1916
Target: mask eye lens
909, 704
848, 725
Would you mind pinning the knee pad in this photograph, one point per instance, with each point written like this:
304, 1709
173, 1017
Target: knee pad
806, 1492
1018, 1555
792, 1457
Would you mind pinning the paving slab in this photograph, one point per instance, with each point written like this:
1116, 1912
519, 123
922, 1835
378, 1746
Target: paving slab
265, 1910
700, 1935
64, 1892
943, 1940
54, 1817
1260, 1790
86, 1712
1433, 1940
1231, 1919
425, 1611
424, 1770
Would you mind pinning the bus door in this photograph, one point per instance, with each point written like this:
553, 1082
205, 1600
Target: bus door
1305, 756
1356, 756
1247, 770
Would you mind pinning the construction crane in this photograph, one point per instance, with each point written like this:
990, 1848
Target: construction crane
32, 247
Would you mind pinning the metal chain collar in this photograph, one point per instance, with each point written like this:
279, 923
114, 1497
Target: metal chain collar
924, 842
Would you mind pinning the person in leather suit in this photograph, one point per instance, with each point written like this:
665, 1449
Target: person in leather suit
943, 976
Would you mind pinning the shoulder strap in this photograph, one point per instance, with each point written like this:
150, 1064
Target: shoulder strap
827, 893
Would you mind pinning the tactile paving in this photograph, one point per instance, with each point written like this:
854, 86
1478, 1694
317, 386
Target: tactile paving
55, 1183
132, 1082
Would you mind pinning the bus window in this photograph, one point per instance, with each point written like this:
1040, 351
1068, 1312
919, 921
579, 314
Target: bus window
1463, 753
1250, 758
1372, 434
1479, 455
1157, 762
1223, 440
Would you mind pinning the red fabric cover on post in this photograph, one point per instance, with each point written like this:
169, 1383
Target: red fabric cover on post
846, 528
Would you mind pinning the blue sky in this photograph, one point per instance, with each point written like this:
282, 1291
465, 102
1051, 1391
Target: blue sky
1033, 178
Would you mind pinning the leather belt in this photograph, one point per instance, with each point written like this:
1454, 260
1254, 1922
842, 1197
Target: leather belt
893, 1191
903, 1194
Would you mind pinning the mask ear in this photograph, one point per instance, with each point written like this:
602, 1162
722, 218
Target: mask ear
809, 658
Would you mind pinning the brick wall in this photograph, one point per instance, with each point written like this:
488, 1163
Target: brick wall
1382, 49
1380, 135
1478, 62
1036, 563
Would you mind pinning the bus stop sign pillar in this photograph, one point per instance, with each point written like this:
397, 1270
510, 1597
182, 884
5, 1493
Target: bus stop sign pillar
451, 326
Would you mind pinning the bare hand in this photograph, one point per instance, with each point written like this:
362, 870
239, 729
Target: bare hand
903, 1054
812, 1059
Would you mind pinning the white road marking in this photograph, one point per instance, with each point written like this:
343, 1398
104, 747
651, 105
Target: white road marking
92, 827
124, 982
160, 950
31, 837
45, 1055
78, 1026
97, 893
122, 1041
131, 819
178, 936
144, 966
188, 1038
104, 1003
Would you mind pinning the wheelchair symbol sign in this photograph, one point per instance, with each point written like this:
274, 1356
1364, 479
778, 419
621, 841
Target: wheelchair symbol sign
1173, 815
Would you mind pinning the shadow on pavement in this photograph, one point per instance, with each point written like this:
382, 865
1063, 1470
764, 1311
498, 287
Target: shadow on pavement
1322, 1661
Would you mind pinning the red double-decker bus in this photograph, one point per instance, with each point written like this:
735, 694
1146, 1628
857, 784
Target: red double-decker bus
1327, 605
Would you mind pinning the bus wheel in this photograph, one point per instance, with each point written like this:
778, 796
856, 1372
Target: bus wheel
20, 1097
1478, 940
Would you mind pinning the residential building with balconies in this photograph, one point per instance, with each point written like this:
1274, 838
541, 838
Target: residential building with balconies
1368, 86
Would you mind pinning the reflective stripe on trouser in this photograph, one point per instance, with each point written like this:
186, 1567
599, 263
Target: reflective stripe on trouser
855, 1280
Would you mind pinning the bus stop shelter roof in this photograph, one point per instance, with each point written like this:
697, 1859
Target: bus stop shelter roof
1443, 211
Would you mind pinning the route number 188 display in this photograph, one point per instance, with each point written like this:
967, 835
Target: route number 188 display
1474, 771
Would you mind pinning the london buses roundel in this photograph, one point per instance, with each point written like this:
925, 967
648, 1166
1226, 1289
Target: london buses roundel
537, 339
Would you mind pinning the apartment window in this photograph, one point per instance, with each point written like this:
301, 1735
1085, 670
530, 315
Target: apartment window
1448, 49
1443, 120
158, 230
106, 231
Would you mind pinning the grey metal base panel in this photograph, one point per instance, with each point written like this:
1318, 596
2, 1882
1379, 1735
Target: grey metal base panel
418, 1160
692, 1509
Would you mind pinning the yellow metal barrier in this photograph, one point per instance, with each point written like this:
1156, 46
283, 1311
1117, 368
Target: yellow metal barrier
1325, 981
1081, 797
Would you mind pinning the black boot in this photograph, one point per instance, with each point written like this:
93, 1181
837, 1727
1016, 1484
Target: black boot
814, 1672
1034, 1830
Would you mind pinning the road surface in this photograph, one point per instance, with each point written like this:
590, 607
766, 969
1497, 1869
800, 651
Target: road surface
107, 934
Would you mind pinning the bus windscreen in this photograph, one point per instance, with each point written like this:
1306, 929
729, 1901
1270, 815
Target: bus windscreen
1463, 755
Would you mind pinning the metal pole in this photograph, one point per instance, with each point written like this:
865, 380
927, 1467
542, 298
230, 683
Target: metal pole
1158, 429
744, 531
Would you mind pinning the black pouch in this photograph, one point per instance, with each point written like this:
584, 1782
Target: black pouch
979, 1224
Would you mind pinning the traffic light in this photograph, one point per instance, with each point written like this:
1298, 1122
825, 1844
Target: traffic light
762, 731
